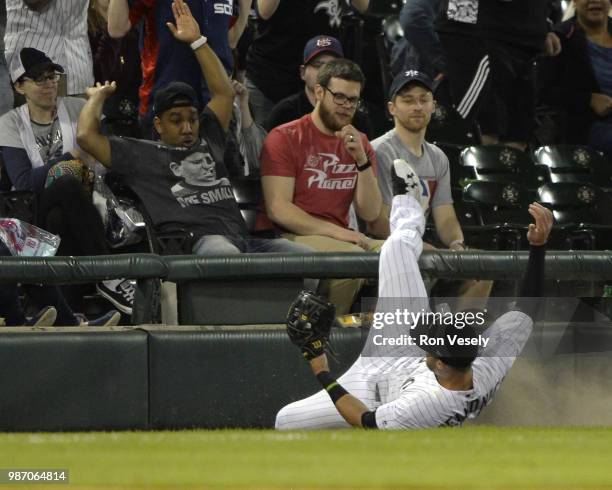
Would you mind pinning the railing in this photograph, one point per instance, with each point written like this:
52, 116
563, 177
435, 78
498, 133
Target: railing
148, 269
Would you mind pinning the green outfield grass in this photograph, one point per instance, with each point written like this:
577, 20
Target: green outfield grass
471, 457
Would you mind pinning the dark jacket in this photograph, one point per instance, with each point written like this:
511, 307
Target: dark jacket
520, 23
568, 80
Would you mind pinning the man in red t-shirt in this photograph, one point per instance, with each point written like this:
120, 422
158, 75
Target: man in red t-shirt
314, 168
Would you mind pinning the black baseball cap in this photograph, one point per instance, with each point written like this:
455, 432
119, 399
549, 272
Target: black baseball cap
322, 44
175, 94
32, 63
410, 76
453, 354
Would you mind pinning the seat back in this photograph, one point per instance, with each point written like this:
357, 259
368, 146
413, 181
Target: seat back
447, 126
459, 175
498, 163
16, 204
249, 195
499, 203
574, 203
568, 163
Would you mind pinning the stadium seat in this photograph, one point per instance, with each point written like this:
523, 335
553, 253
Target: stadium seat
582, 213
501, 209
460, 176
498, 163
447, 126
249, 196
573, 163
16, 204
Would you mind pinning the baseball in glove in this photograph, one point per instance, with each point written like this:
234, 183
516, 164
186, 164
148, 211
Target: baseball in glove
309, 322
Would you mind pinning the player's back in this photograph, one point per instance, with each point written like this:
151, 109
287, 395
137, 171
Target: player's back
412, 398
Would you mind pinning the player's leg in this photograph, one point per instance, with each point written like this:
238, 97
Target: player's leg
318, 411
399, 275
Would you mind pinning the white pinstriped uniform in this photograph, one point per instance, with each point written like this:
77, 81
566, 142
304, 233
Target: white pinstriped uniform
402, 390
60, 31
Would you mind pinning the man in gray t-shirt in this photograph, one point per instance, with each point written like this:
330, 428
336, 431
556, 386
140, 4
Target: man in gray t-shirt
411, 104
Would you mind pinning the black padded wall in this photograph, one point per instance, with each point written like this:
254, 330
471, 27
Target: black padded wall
231, 378
53, 381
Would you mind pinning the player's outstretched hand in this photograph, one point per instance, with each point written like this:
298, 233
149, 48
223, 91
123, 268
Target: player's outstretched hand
538, 233
101, 90
309, 323
187, 29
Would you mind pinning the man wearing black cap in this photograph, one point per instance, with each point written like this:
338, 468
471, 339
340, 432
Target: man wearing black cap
411, 104
419, 368
38, 143
318, 51
182, 179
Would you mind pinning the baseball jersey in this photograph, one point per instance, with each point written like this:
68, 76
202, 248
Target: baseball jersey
59, 31
325, 173
412, 398
432, 166
165, 60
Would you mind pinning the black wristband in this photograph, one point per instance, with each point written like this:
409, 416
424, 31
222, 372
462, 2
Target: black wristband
333, 388
368, 420
363, 167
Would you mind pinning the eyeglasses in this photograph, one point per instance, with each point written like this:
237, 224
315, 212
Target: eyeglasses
41, 80
342, 99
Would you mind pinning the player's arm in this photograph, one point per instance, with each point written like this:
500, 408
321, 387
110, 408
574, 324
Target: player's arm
309, 322
352, 409
448, 227
187, 30
89, 136
537, 236
118, 18
278, 197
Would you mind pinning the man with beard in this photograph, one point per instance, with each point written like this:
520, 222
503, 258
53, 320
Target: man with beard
315, 167
411, 104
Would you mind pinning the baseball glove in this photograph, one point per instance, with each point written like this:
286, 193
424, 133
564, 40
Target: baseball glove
309, 322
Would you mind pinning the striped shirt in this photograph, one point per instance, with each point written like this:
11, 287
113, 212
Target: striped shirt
2, 24
60, 31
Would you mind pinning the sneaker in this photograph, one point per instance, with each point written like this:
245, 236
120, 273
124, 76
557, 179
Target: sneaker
120, 292
109, 319
405, 181
44, 318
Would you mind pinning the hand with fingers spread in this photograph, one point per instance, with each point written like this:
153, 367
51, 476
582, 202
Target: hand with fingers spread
353, 144
187, 29
104, 91
538, 233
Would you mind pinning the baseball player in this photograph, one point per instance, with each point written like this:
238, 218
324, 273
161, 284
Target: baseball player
408, 387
